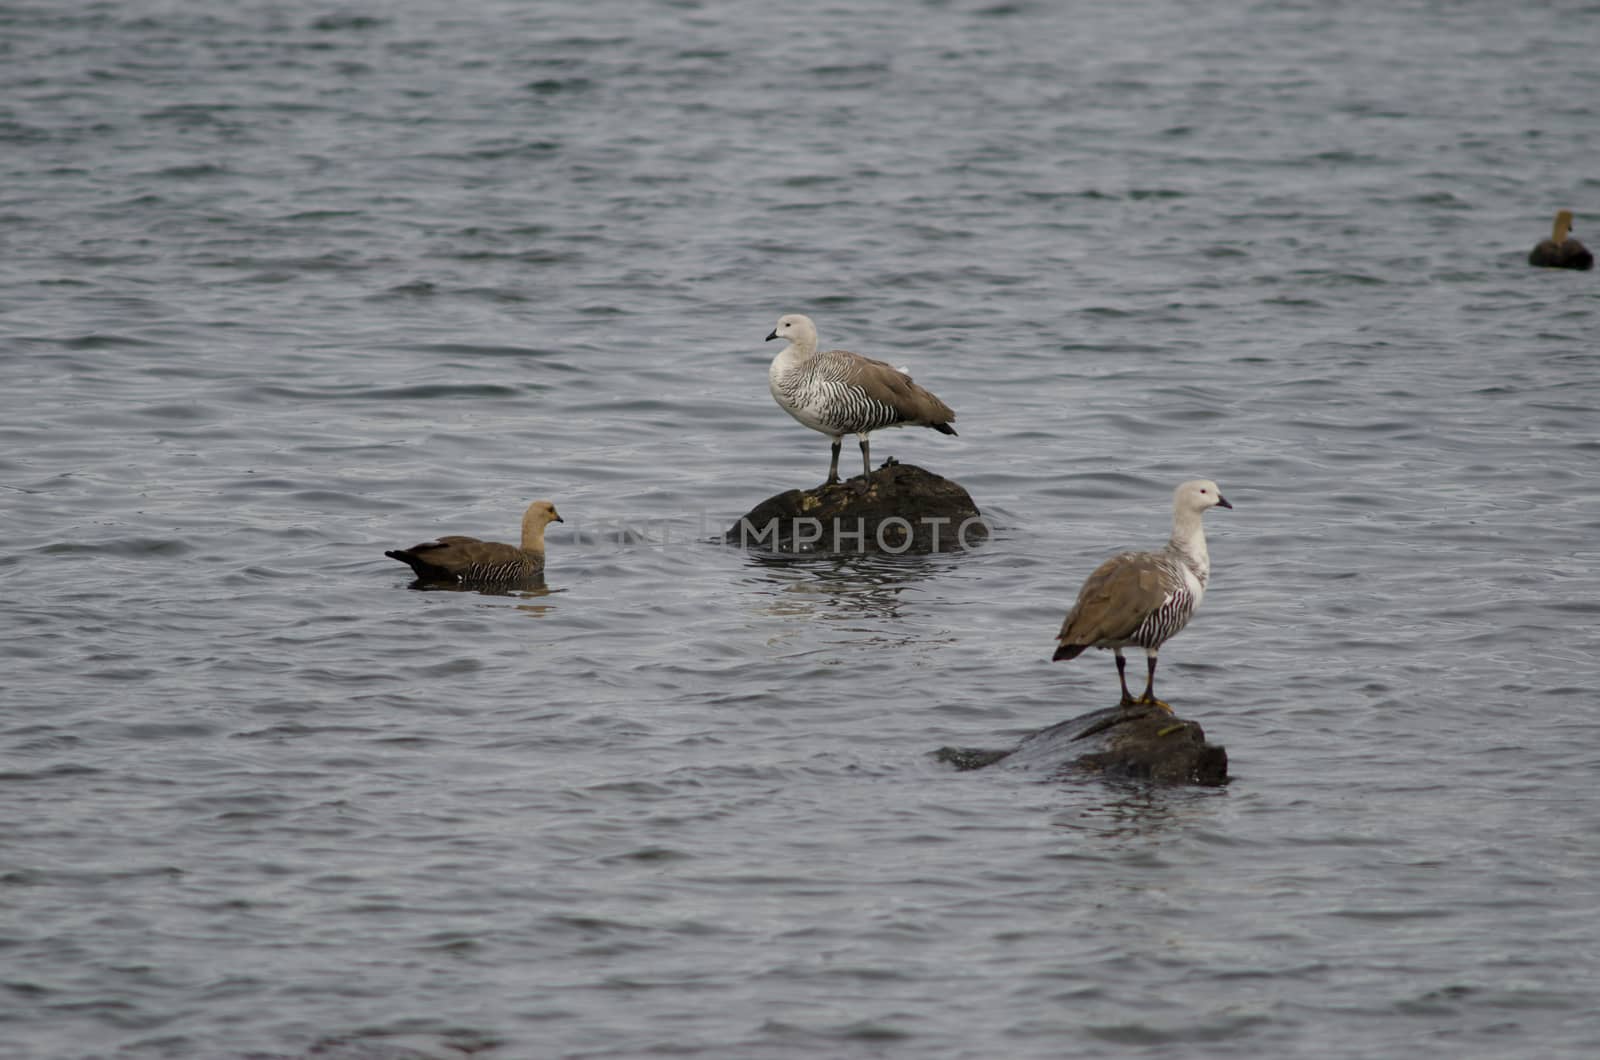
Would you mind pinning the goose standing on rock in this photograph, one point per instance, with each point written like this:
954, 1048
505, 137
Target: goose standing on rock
1140, 599
469, 562
1561, 251
838, 393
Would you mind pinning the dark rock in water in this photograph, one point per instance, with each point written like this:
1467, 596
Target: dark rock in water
1125, 743
898, 508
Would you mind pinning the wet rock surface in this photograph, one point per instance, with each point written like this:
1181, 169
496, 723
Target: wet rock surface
1125, 743
898, 508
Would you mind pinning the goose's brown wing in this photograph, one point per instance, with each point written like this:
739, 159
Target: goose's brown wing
456, 556
888, 384
1121, 593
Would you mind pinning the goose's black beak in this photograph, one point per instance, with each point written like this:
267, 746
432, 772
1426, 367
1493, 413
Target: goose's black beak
772, 336
1222, 502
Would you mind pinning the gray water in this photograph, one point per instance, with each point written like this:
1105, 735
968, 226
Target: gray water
283, 286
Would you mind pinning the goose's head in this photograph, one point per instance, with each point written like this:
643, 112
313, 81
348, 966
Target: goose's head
1197, 495
1563, 226
797, 329
539, 515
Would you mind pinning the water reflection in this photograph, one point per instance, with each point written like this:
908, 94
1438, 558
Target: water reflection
839, 586
530, 589
1127, 810
534, 610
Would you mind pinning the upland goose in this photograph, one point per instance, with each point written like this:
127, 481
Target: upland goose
836, 392
1140, 599
1561, 250
467, 561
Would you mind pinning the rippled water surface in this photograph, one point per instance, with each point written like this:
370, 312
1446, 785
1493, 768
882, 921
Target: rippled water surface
283, 286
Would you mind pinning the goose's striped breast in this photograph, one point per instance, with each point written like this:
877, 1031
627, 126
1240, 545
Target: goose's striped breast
818, 393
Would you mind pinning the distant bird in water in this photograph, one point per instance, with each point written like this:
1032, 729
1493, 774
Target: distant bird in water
471, 563
838, 393
1140, 599
1561, 251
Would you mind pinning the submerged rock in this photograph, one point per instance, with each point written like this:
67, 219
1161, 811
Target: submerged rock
898, 508
1126, 743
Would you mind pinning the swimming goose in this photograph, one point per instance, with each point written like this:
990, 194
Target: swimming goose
1561, 251
467, 561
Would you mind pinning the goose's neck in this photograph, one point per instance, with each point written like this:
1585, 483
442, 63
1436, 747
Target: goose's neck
1189, 542
791, 357
1563, 226
533, 536
802, 347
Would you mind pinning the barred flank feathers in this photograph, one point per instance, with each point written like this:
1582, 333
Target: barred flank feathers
467, 561
1143, 599
839, 392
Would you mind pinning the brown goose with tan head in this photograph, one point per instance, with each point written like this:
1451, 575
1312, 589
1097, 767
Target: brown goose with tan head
837, 392
467, 561
1561, 250
1141, 599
